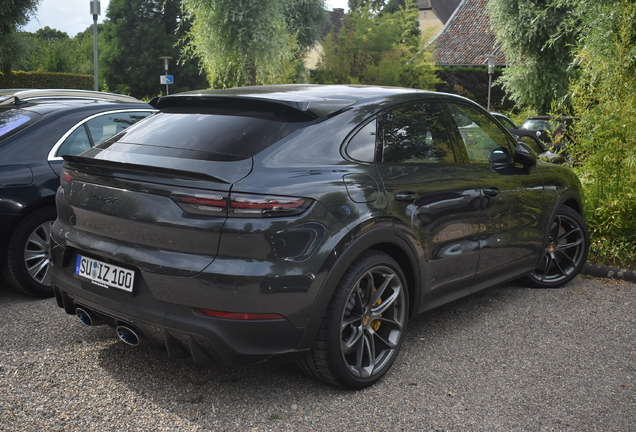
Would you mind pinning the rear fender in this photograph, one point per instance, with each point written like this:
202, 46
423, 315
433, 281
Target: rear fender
380, 237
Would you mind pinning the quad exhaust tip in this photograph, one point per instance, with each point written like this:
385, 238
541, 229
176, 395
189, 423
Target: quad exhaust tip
87, 317
127, 335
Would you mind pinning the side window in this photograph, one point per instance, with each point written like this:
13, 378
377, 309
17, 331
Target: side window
415, 134
532, 143
483, 139
76, 143
100, 128
362, 145
106, 126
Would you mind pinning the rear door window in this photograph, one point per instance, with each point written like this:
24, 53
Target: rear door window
415, 134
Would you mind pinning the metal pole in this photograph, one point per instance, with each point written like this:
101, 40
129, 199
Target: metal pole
95, 12
489, 84
165, 61
490, 61
95, 65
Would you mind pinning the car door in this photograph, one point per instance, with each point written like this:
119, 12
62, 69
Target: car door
435, 199
510, 236
91, 132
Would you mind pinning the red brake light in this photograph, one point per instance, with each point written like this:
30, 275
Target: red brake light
244, 205
66, 176
208, 205
237, 315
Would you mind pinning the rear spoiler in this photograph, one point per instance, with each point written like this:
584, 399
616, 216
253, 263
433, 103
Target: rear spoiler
227, 172
315, 108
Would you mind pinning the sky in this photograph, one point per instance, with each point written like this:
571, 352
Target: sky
73, 16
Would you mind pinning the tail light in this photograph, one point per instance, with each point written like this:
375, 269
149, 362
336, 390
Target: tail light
66, 176
242, 205
209, 205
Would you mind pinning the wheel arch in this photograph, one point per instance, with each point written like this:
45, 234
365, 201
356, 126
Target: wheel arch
570, 198
382, 239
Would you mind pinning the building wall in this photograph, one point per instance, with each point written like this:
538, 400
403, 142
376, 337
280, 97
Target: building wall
429, 23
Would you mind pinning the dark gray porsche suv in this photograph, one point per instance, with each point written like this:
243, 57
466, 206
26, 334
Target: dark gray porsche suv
305, 223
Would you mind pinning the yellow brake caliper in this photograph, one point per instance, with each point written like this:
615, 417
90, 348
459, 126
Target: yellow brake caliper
375, 325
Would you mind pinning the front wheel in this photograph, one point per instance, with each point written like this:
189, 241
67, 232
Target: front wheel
364, 325
565, 251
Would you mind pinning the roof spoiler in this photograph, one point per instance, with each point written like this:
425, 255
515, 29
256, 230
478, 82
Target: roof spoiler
316, 108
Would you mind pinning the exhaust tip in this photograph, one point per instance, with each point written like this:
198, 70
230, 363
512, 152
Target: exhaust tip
127, 335
87, 317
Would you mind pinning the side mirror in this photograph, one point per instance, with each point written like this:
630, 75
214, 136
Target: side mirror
525, 156
500, 157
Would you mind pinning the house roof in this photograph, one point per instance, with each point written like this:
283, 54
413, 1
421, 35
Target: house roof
335, 22
468, 37
443, 8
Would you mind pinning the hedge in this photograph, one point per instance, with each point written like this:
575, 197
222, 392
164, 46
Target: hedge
44, 80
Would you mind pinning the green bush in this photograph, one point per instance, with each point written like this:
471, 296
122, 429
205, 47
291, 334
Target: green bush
43, 80
604, 145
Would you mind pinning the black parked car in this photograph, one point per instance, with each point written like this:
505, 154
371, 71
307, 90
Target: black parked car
531, 139
305, 223
37, 127
552, 130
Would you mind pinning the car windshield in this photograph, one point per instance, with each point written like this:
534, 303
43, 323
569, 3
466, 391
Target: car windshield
12, 121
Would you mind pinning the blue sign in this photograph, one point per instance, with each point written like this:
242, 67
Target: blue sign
166, 79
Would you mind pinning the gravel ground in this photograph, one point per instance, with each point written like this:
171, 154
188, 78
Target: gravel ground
509, 359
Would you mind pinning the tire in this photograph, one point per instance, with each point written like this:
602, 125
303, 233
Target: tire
28, 257
364, 325
565, 251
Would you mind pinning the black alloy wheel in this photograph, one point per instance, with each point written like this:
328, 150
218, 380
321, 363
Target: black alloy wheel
565, 252
364, 326
28, 259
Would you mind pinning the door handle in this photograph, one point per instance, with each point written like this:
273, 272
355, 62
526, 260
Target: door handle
406, 196
491, 191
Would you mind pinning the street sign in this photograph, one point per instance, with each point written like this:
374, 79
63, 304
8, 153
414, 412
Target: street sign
166, 79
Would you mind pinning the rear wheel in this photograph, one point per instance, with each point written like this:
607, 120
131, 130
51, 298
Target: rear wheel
565, 251
28, 256
364, 325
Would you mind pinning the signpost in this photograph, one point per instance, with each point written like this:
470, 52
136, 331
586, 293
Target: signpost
166, 79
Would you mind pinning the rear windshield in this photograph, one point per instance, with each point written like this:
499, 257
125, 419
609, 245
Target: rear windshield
541, 125
14, 120
238, 136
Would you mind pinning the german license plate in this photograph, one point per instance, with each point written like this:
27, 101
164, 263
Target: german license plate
104, 274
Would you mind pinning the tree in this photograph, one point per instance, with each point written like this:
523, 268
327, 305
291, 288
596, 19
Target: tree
245, 42
136, 34
538, 37
377, 47
13, 14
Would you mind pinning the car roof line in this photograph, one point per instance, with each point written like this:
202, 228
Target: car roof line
23, 96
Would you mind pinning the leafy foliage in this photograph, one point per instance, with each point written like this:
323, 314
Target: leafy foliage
245, 42
538, 37
605, 143
377, 48
136, 34
13, 14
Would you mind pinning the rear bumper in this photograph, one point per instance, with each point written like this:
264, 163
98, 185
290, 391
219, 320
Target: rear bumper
176, 328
